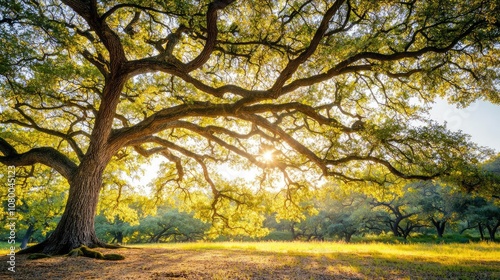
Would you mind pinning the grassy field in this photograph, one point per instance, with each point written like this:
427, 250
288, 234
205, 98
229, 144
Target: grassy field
280, 260
379, 260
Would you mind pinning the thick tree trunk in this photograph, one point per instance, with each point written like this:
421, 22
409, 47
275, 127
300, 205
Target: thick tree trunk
441, 229
407, 230
76, 227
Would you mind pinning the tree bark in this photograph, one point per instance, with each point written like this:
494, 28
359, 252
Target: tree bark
76, 227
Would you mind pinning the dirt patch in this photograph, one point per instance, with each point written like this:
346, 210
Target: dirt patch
173, 264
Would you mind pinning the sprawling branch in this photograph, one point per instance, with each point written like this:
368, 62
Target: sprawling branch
33, 124
207, 133
172, 119
388, 165
161, 120
212, 32
88, 11
166, 119
46, 155
294, 64
296, 145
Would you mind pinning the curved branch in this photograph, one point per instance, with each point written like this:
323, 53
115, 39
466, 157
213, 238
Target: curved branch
47, 156
212, 32
163, 119
135, 6
296, 107
207, 134
99, 63
295, 63
296, 145
387, 164
34, 125
148, 65
346, 66
88, 11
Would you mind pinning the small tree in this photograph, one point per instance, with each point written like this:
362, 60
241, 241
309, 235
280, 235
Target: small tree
115, 231
402, 211
345, 212
170, 225
345, 220
441, 205
483, 214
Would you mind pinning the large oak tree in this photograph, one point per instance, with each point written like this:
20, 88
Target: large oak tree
296, 89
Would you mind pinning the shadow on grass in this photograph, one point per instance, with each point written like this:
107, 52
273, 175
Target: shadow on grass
243, 264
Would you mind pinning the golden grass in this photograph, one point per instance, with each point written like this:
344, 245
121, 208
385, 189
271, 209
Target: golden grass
372, 260
482, 251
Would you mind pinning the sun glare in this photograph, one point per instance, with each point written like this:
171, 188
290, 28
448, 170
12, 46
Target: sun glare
268, 156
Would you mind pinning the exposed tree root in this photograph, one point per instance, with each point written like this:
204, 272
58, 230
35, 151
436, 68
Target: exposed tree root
114, 257
44, 249
113, 246
86, 252
38, 248
83, 251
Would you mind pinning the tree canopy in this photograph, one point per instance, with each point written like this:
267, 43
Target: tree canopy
297, 90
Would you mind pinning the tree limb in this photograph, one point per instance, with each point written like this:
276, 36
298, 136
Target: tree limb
293, 65
212, 32
46, 155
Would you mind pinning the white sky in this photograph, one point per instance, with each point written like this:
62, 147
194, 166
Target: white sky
481, 120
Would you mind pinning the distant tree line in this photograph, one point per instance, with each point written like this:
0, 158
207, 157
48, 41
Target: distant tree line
418, 208
339, 214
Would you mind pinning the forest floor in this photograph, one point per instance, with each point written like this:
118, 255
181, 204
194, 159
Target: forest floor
272, 260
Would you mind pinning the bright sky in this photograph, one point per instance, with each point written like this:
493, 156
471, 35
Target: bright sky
481, 120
